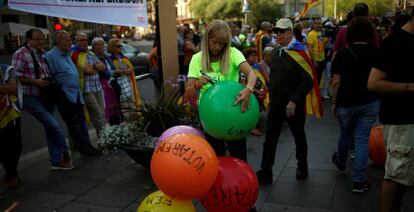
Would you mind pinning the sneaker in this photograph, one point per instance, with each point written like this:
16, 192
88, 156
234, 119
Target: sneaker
359, 187
66, 158
256, 132
352, 154
265, 176
63, 166
302, 173
327, 97
335, 161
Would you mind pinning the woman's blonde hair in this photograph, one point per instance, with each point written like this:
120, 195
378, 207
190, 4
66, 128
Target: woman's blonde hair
220, 29
112, 44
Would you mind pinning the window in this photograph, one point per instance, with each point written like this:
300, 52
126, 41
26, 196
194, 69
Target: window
10, 18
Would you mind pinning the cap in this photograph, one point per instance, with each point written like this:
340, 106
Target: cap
329, 24
284, 23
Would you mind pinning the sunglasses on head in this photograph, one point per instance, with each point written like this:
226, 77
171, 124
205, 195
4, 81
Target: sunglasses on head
277, 30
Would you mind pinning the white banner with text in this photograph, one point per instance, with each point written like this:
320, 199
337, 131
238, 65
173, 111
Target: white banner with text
114, 12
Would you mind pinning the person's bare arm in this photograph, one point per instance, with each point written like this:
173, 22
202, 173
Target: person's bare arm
100, 66
336, 81
190, 45
9, 87
377, 83
244, 95
89, 69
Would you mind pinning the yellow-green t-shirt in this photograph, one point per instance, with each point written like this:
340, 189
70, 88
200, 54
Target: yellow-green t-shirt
236, 58
318, 41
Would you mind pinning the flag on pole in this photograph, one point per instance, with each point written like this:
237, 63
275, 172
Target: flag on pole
308, 5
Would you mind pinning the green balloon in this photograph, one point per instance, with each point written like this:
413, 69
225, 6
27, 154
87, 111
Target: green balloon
220, 118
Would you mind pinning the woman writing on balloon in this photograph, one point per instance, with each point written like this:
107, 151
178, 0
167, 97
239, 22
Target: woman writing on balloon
218, 61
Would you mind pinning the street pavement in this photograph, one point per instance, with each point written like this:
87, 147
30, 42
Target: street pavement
114, 182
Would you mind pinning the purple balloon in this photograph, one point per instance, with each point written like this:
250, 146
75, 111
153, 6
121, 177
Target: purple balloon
179, 129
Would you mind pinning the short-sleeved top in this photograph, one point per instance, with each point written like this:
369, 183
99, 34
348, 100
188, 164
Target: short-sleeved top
396, 60
236, 58
65, 73
354, 72
23, 64
318, 41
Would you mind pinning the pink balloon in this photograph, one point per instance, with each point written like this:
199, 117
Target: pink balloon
179, 129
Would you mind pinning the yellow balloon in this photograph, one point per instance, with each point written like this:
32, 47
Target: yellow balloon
160, 202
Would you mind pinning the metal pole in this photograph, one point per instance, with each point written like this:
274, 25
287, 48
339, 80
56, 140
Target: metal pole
287, 12
323, 7
158, 37
296, 5
335, 9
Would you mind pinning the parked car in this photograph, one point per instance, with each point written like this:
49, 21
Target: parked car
138, 59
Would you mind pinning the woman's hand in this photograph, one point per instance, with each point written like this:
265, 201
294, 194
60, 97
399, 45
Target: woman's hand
290, 109
204, 80
244, 98
127, 71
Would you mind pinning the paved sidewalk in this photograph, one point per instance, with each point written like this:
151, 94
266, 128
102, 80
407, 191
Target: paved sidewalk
115, 183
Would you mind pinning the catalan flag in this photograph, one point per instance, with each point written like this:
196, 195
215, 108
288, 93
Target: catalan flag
308, 5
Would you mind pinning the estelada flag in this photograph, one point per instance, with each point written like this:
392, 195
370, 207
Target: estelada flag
308, 5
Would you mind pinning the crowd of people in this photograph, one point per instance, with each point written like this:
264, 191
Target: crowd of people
84, 85
363, 70
290, 67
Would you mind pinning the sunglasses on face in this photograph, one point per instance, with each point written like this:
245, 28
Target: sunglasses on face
277, 30
118, 46
82, 40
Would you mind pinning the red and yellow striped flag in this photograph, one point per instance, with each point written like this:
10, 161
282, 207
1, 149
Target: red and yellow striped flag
308, 5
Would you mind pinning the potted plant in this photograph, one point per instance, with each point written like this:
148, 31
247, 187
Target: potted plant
129, 136
137, 137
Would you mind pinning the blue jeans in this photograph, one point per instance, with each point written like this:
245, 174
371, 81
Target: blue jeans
356, 121
55, 136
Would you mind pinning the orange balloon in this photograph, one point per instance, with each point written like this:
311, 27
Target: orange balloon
376, 146
184, 166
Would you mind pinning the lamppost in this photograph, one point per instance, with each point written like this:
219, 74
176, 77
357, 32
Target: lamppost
246, 10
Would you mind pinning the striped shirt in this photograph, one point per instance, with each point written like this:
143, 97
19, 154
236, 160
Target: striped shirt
24, 67
92, 82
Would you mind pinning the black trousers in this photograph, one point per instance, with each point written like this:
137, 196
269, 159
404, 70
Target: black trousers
275, 118
74, 117
320, 66
10, 148
237, 148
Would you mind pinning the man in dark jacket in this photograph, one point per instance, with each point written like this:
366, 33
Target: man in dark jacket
291, 81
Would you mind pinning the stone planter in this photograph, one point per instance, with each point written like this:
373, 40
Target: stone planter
142, 157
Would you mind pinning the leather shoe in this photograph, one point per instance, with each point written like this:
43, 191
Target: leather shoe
265, 176
301, 173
